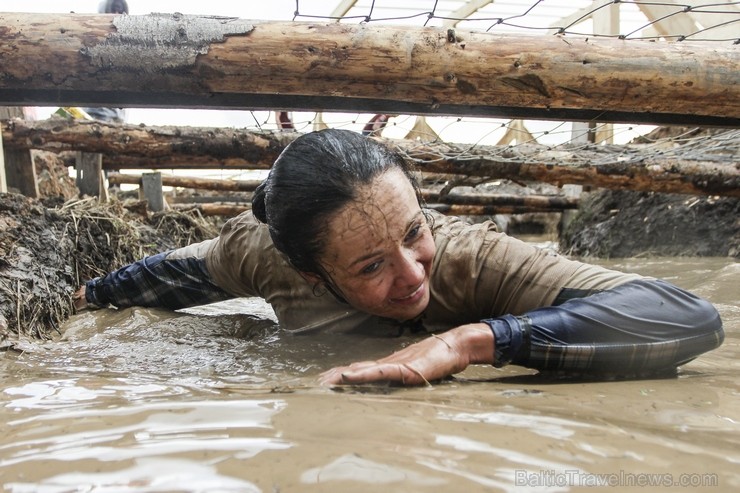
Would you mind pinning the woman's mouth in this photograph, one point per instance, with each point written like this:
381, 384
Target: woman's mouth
412, 298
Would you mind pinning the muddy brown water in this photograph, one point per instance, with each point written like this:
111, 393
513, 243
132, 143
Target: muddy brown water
220, 400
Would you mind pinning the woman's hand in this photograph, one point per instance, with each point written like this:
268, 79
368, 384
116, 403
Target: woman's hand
79, 300
431, 359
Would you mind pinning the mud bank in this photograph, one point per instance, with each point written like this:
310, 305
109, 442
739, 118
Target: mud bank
612, 224
48, 247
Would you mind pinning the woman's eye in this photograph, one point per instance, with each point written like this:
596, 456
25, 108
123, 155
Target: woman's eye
413, 233
371, 268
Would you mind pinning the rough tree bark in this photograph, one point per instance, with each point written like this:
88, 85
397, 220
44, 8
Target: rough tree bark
530, 203
174, 60
231, 210
616, 167
190, 182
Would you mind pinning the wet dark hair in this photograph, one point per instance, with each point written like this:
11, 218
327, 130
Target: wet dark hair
314, 177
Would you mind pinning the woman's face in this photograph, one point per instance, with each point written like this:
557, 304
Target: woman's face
380, 249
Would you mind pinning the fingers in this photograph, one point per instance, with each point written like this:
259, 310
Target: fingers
368, 372
79, 300
334, 376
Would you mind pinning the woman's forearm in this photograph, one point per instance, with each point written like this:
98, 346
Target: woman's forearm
156, 281
639, 327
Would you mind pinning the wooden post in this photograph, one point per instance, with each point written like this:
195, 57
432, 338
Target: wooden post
606, 20
572, 192
18, 169
20, 172
580, 133
151, 190
89, 179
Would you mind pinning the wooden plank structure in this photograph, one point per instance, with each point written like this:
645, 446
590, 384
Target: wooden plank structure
173, 60
453, 202
618, 167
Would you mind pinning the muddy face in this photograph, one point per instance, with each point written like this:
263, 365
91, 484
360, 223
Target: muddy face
380, 250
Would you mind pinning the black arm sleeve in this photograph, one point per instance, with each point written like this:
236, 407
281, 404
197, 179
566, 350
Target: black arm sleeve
156, 281
642, 326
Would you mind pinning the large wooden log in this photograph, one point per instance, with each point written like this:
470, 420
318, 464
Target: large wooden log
190, 182
529, 202
231, 210
616, 167
174, 60
536, 203
136, 146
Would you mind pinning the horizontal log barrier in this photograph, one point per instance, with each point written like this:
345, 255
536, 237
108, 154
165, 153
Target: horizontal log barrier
189, 182
481, 204
227, 210
231, 210
627, 167
529, 202
175, 60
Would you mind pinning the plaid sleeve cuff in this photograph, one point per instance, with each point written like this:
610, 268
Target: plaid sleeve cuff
91, 294
509, 339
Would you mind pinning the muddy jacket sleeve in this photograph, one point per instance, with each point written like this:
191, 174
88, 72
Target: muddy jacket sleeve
165, 280
233, 264
639, 327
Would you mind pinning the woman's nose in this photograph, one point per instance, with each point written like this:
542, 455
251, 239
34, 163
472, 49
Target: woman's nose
409, 271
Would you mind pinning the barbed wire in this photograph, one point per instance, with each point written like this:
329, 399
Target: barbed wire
706, 21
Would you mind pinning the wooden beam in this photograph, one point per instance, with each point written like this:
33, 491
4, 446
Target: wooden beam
484, 210
151, 190
173, 60
190, 182
533, 202
422, 131
230, 210
517, 132
136, 146
18, 169
579, 15
606, 20
20, 172
89, 172
342, 8
539, 202
668, 19
671, 19
466, 10
618, 167
716, 14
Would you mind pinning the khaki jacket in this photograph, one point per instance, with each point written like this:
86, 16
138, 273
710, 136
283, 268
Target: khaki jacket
477, 273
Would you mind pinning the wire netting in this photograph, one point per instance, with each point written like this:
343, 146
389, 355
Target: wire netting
717, 21
713, 23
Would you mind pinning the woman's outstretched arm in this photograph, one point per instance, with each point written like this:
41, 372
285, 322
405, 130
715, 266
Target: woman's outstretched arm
156, 281
638, 328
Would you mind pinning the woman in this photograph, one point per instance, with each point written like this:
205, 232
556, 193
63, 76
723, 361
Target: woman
338, 240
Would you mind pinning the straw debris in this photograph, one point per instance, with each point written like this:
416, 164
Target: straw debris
47, 250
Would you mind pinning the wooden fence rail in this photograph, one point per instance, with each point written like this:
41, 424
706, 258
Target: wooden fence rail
175, 60
628, 167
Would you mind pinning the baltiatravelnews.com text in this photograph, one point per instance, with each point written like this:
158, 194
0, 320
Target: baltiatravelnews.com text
552, 478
